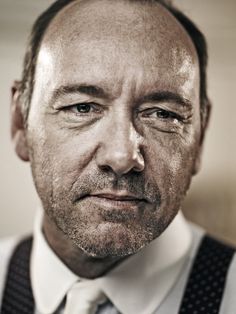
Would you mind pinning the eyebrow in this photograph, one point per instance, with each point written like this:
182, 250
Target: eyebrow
169, 97
90, 90
98, 92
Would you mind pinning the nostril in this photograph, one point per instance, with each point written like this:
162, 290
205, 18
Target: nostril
105, 168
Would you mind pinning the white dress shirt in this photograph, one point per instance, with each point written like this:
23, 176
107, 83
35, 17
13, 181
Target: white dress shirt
151, 281
154, 266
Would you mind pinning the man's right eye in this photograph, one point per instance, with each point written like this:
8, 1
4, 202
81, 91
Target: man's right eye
83, 108
81, 113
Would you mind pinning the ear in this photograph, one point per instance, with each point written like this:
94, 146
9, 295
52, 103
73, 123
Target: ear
205, 118
18, 131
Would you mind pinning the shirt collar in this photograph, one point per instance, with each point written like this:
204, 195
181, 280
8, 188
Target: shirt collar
50, 277
138, 285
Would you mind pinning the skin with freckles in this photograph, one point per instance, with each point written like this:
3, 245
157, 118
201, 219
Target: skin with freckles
113, 131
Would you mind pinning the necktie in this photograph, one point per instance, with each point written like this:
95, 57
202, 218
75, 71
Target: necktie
84, 298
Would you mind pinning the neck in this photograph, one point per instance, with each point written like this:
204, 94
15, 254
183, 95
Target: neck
73, 257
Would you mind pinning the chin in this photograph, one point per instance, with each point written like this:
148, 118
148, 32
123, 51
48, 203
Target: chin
111, 240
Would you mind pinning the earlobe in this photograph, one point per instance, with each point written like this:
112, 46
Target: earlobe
18, 131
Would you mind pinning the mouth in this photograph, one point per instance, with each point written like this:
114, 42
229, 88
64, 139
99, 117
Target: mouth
116, 206
116, 202
118, 196
121, 197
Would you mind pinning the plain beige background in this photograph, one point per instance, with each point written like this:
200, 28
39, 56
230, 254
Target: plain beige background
211, 201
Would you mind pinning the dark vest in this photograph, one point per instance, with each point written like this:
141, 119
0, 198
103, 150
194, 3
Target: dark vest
203, 293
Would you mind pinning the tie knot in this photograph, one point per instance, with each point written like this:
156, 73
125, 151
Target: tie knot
84, 297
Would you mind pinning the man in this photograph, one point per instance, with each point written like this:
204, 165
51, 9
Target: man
111, 112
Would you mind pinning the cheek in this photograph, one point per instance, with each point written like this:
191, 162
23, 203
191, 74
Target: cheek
59, 155
170, 162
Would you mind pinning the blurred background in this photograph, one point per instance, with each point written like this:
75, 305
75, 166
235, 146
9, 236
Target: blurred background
211, 201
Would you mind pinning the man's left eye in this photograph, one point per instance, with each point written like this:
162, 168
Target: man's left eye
160, 114
162, 119
84, 108
163, 114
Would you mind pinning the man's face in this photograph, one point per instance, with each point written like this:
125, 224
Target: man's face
114, 125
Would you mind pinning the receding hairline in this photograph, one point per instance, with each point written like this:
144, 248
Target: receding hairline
186, 40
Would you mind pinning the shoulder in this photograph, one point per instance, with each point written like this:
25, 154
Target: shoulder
7, 246
209, 246
219, 259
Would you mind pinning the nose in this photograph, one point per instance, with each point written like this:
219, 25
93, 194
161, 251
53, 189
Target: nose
120, 150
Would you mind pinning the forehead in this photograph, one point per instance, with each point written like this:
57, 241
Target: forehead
103, 38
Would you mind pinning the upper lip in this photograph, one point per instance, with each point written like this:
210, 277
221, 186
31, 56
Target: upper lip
118, 196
